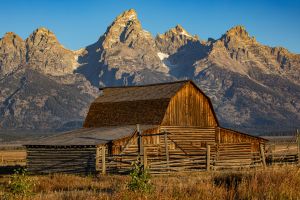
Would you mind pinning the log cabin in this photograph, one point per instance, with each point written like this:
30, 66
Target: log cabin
169, 127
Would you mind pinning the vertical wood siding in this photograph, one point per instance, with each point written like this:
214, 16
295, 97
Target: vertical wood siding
189, 107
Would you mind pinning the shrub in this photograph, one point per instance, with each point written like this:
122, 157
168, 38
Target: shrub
140, 178
20, 184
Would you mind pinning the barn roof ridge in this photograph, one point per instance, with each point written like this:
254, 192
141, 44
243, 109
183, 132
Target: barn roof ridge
147, 85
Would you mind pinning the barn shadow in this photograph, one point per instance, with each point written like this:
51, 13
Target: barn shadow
8, 170
231, 182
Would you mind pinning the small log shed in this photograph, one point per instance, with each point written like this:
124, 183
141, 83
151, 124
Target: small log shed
170, 126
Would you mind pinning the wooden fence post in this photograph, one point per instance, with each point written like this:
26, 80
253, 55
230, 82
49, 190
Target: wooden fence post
298, 149
208, 157
103, 161
272, 153
219, 135
97, 159
166, 149
140, 143
262, 153
138, 139
145, 158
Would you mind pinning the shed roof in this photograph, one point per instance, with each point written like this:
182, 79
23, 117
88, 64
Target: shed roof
88, 136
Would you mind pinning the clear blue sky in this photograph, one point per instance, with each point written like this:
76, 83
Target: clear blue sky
78, 23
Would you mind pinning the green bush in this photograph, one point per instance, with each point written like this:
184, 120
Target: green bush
140, 178
20, 184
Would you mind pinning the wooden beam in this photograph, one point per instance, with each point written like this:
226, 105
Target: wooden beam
298, 142
208, 158
167, 149
103, 161
128, 143
177, 145
139, 140
262, 153
155, 134
97, 160
219, 135
145, 158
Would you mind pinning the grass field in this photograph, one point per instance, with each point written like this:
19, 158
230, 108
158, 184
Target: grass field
272, 183
11, 157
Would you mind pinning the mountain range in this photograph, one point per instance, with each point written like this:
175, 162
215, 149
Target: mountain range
253, 87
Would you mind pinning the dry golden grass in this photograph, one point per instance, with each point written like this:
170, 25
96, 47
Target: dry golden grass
273, 183
12, 157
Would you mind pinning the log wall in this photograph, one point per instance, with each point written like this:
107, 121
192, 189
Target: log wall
229, 136
75, 160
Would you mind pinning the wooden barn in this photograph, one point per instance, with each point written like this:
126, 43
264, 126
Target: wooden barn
169, 126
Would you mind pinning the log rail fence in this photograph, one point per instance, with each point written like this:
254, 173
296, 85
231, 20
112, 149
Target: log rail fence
283, 151
214, 156
168, 162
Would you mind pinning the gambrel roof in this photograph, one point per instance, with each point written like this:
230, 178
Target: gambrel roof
129, 105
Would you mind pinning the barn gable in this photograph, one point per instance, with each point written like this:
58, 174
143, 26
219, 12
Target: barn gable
190, 107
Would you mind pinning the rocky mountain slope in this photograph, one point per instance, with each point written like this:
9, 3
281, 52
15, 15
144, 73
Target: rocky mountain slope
38, 89
126, 54
254, 88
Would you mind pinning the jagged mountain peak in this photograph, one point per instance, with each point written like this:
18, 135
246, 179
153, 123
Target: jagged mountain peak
180, 30
9, 36
43, 30
126, 27
238, 34
46, 54
177, 31
42, 35
127, 15
11, 39
174, 39
126, 54
12, 53
238, 30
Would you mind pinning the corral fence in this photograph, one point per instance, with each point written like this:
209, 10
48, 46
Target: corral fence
212, 157
283, 150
